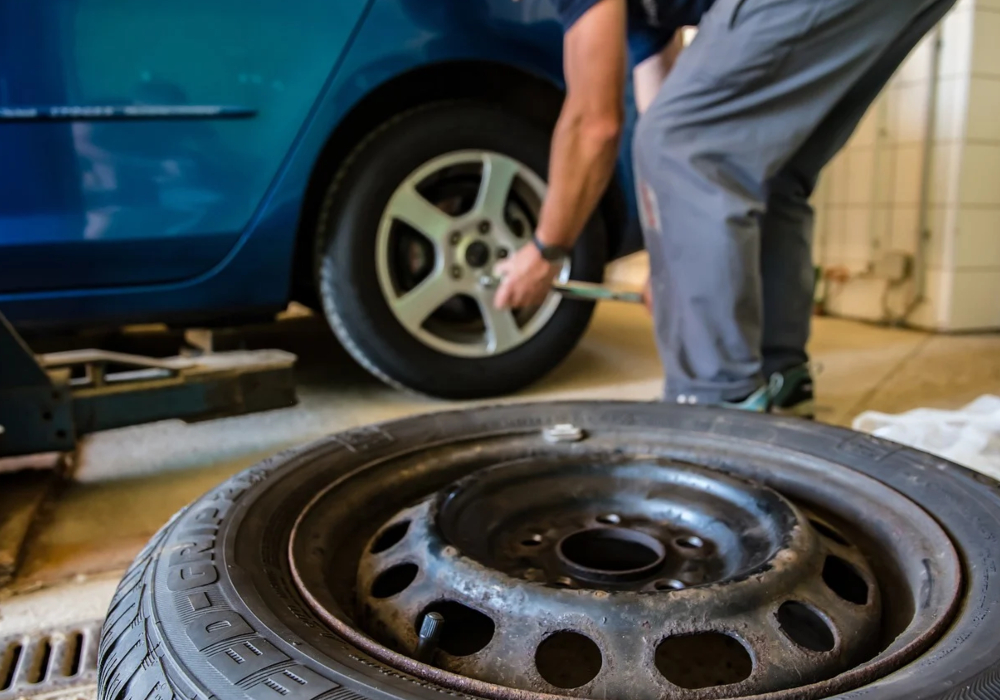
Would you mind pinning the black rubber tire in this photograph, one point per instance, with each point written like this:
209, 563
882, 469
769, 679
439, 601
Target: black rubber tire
349, 289
221, 564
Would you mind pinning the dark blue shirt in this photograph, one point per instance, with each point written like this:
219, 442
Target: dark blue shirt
651, 23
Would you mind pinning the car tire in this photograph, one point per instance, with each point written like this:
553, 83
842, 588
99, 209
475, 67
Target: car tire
354, 297
217, 579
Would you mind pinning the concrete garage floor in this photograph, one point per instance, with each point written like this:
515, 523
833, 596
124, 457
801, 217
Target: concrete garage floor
127, 483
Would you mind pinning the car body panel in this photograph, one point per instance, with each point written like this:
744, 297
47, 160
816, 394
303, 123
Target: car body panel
202, 210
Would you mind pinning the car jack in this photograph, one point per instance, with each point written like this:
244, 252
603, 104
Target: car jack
47, 402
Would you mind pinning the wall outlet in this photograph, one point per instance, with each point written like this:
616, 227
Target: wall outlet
893, 266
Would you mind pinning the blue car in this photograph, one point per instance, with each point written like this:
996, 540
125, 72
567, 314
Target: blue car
205, 162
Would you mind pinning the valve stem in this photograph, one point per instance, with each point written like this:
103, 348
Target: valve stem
430, 634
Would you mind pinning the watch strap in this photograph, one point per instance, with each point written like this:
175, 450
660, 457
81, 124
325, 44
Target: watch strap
551, 253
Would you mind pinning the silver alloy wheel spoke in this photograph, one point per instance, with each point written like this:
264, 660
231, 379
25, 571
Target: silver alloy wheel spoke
502, 330
409, 206
415, 306
499, 173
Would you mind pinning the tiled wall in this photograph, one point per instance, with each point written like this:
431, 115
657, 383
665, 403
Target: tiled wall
868, 200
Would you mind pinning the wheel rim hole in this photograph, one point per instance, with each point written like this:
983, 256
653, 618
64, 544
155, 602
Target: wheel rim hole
568, 660
563, 582
609, 519
611, 551
394, 580
465, 632
829, 533
390, 537
703, 660
805, 627
532, 541
690, 543
671, 584
844, 580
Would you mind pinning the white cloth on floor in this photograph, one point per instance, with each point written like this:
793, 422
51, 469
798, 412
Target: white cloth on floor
969, 436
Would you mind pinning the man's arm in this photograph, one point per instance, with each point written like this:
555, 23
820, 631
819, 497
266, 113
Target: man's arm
584, 147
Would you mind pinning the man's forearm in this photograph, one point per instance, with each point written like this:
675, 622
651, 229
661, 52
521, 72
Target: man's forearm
584, 151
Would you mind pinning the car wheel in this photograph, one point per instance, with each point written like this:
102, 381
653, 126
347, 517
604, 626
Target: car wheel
413, 223
591, 550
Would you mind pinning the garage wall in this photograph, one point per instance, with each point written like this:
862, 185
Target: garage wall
871, 219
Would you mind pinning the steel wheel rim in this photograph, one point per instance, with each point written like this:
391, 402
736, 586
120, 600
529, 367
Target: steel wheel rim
911, 640
455, 271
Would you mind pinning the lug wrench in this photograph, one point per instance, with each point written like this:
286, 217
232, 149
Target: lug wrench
585, 291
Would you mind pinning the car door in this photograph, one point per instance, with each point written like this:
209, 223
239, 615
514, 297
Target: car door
138, 138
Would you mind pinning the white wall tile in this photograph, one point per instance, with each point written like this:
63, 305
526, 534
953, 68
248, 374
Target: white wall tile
867, 132
857, 298
909, 164
832, 251
881, 230
885, 175
952, 99
941, 225
946, 173
917, 65
911, 112
977, 239
980, 179
860, 176
934, 311
986, 42
956, 48
984, 109
905, 221
837, 173
974, 301
857, 236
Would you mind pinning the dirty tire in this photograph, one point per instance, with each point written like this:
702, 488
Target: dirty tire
216, 579
351, 296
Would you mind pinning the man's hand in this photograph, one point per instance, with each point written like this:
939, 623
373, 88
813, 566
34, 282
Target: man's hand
526, 279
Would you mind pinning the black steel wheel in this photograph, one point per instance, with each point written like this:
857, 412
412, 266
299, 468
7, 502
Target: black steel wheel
574, 549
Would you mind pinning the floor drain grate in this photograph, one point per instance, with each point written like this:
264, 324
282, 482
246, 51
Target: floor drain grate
49, 661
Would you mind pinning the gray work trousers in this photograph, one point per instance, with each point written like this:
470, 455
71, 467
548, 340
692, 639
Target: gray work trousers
726, 159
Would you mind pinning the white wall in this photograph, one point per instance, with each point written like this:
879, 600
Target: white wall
868, 202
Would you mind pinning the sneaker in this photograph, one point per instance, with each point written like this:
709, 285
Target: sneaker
793, 392
759, 401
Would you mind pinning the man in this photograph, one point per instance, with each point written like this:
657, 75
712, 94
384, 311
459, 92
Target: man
726, 158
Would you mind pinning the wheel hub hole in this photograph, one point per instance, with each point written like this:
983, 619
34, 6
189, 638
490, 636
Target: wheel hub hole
844, 580
394, 580
703, 660
669, 585
477, 254
690, 543
805, 627
568, 660
829, 533
390, 537
609, 519
465, 631
532, 541
611, 553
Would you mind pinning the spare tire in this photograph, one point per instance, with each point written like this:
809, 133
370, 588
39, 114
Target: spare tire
749, 556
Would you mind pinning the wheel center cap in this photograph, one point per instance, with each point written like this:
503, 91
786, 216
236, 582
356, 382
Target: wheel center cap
477, 254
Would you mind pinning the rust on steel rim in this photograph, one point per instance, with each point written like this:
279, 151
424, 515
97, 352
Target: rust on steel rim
515, 566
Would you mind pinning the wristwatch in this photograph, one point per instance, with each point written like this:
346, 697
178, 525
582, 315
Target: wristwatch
551, 253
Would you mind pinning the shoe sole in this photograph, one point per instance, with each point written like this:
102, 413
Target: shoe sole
803, 409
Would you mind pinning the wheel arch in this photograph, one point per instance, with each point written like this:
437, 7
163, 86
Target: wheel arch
534, 98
